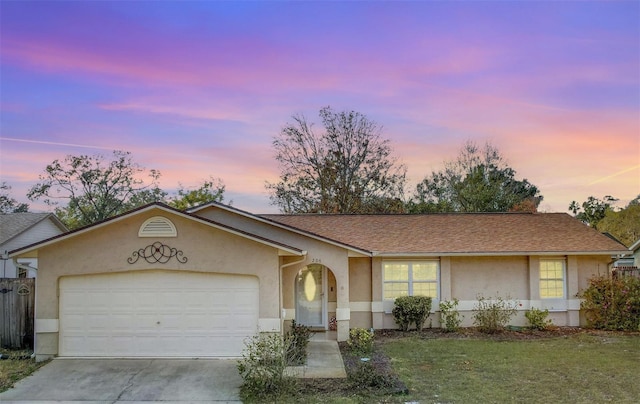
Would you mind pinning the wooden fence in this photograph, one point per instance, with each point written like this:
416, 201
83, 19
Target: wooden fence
626, 271
17, 302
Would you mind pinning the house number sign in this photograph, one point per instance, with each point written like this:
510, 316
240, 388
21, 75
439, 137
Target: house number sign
157, 253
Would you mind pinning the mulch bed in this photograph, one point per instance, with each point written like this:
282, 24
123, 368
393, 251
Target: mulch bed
517, 334
375, 376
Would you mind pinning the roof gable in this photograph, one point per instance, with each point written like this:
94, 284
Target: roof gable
266, 219
283, 248
14, 224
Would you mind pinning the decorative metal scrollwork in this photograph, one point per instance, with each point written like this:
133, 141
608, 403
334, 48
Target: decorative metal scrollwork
157, 253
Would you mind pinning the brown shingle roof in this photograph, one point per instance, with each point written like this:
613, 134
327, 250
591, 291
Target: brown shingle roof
482, 233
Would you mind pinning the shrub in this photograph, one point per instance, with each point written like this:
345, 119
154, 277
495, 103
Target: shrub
297, 339
411, 309
491, 315
538, 318
360, 341
262, 368
450, 318
367, 376
612, 304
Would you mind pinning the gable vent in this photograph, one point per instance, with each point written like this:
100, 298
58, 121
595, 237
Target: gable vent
157, 226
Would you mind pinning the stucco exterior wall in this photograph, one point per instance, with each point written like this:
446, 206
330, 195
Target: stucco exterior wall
106, 249
516, 277
360, 292
489, 277
333, 257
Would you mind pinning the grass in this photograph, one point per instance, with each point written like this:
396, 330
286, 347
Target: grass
510, 367
18, 366
578, 368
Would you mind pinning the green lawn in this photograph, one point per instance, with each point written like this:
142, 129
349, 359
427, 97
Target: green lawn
578, 368
537, 367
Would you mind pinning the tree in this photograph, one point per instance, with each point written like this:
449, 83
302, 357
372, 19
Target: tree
624, 224
212, 190
9, 204
479, 180
348, 168
95, 188
593, 210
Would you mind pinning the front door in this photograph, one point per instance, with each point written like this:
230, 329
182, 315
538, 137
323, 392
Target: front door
310, 296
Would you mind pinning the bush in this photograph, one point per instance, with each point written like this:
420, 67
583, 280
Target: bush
411, 309
366, 376
297, 339
612, 304
262, 368
538, 319
360, 341
450, 318
491, 315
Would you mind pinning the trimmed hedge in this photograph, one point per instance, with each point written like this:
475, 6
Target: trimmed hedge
411, 310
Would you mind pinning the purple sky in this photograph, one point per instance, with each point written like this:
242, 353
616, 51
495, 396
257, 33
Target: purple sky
199, 89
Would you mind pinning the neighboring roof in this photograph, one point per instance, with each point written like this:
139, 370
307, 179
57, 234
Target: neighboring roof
635, 246
14, 224
157, 205
458, 233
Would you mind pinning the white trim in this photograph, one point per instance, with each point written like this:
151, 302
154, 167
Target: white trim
360, 306
269, 325
469, 305
288, 314
46, 325
343, 314
553, 305
377, 307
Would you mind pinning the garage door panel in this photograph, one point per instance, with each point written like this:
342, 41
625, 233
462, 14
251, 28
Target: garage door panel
157, 314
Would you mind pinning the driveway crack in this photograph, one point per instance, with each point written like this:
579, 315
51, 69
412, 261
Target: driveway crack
130, 381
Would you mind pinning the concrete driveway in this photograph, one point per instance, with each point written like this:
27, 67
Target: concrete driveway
127, 380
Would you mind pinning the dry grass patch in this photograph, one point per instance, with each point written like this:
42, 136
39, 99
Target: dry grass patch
18, 366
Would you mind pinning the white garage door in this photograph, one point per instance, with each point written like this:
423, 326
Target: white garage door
157, 314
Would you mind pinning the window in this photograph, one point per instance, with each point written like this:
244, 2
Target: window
552, 278
410, 278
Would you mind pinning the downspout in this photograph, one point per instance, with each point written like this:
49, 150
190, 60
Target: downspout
283, 266
5, 257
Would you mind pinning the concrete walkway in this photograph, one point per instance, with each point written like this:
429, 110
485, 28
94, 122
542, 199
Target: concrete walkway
324, 361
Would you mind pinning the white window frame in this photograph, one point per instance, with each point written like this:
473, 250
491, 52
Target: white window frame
563, 262
410, 281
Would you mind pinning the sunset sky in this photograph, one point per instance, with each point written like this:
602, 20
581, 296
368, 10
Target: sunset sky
199, 89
